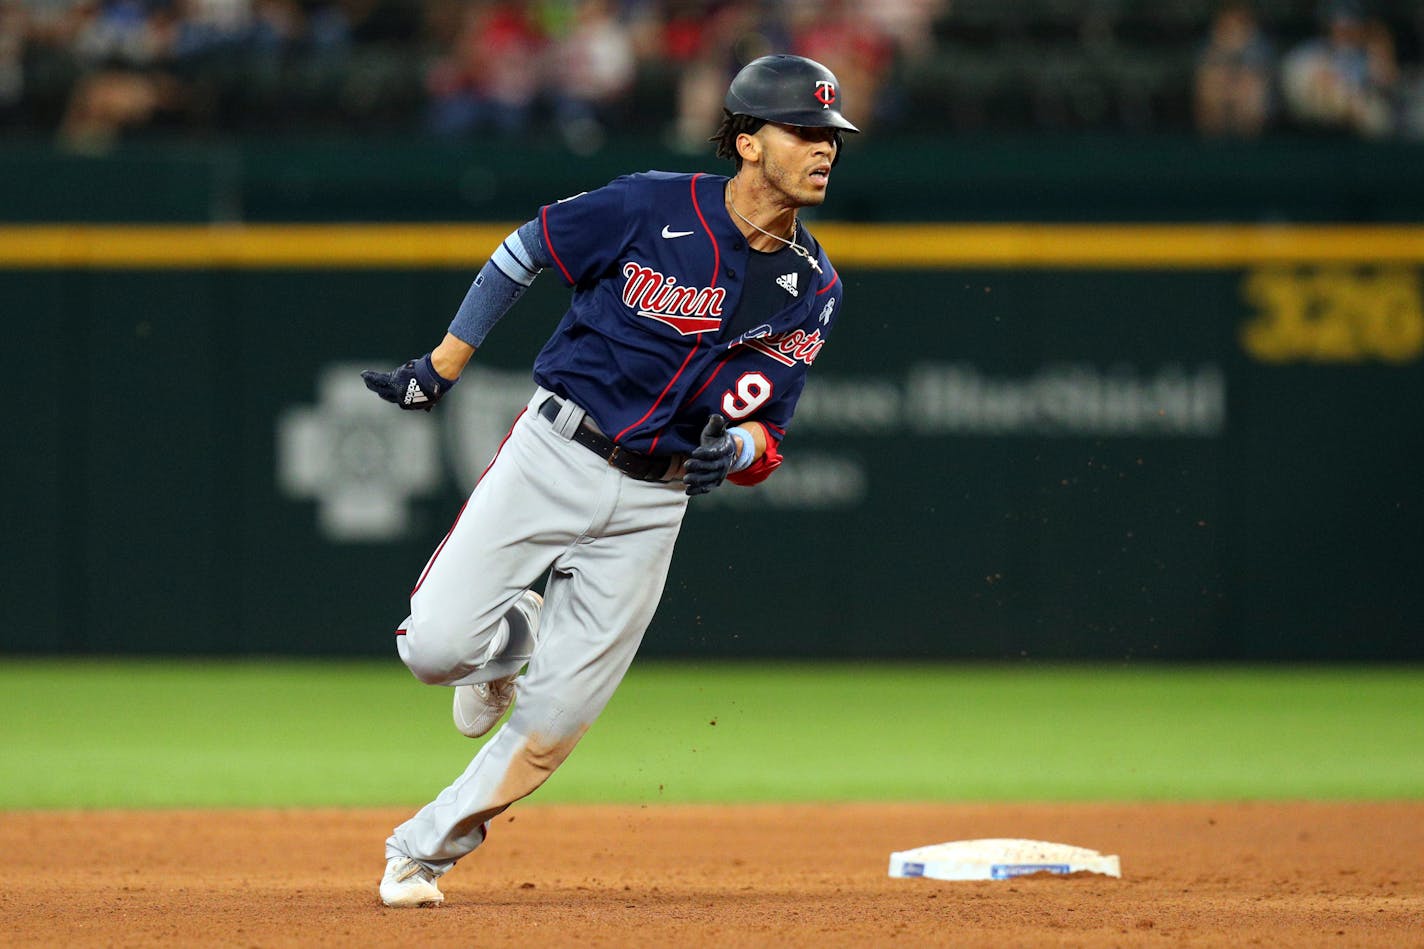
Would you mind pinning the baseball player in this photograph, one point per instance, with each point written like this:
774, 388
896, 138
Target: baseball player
699, 302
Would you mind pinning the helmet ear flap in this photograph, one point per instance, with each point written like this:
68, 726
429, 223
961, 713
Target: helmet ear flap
839, 139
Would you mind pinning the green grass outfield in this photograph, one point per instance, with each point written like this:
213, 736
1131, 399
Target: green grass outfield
82, 733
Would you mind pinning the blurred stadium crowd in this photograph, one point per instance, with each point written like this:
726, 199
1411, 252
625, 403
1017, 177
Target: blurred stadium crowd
93, 72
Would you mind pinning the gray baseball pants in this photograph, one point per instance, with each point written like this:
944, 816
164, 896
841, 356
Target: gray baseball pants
545, 505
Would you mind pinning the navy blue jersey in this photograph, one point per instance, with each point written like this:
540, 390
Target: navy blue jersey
655, 339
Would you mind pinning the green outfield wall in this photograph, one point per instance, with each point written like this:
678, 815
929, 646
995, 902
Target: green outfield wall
934, 177
1023, 440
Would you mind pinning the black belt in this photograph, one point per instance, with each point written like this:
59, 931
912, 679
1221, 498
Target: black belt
634, 464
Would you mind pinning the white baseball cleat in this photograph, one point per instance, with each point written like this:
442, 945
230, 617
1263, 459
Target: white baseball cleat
478, 707
408, 883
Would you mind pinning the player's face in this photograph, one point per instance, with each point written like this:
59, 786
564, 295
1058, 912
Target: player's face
797, 161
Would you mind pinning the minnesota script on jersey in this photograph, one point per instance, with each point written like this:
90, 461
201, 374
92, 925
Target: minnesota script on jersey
662, 302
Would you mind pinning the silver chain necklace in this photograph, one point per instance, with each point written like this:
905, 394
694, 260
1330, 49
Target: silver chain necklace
795, 247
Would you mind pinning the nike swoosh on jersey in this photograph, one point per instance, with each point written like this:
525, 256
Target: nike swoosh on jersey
668, 232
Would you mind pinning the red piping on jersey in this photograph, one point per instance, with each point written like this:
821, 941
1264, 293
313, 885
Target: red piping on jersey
426, 572
721, 363
544, 219
828, 286
716, 251
661, 395
716, 267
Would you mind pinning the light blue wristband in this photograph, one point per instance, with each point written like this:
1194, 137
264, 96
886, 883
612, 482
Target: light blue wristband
748, 455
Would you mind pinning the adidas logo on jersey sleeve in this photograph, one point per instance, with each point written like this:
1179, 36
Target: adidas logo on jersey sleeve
787, 282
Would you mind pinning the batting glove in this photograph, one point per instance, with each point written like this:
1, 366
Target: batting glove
710, 462
416, 385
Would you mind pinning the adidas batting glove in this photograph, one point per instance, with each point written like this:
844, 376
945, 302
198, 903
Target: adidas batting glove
415, 385
710, 462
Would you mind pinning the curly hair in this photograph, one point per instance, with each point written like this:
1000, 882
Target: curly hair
734, 125
727, 132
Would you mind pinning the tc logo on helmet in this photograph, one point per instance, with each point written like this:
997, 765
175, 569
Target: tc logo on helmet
825, 93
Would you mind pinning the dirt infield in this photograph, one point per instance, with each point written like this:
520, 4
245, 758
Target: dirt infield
1195, 875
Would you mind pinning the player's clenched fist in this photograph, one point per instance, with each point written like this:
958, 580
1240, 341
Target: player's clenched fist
710, 462
415, 385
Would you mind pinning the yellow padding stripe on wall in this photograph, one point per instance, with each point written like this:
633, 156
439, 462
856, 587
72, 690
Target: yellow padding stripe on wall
882, 246
257, 247
1116, 246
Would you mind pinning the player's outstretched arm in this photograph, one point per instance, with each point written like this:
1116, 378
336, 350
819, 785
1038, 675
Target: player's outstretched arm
452, 356
420, 383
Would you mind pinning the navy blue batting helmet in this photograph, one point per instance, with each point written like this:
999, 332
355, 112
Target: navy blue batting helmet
788, 90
